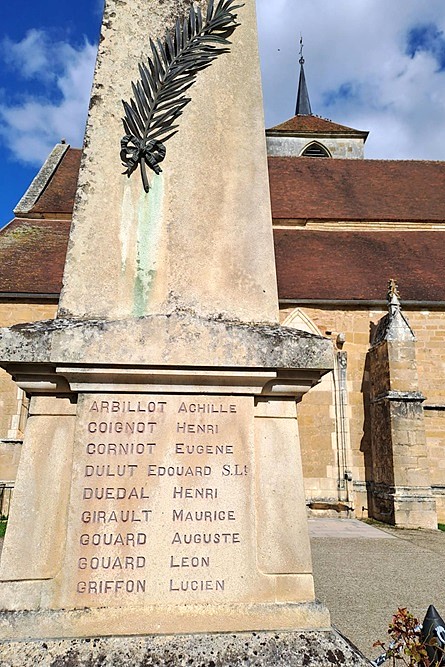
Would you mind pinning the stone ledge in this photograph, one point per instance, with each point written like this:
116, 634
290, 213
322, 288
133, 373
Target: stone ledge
171, 340
253, 649
151, 619
401, 396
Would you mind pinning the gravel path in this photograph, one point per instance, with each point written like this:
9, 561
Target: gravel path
363, 576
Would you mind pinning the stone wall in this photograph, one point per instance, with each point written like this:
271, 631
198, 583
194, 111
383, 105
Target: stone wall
429, 329
435, 436
399, 491
13, 402
294, 146
317, 421
317, 413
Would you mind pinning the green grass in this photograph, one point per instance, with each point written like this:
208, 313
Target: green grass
3, 528
441, 526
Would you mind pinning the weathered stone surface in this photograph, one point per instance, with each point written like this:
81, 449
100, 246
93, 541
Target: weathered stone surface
37, 520
202, 237
176, 339
177, 518
194, 479
256, 649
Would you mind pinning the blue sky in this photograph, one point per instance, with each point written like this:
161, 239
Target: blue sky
376, 65
46, 57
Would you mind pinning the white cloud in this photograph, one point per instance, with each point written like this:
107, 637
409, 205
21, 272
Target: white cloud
353, 46
29, 56
31, 126
359, 46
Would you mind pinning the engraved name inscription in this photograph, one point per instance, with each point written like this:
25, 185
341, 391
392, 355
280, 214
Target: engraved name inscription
160, 499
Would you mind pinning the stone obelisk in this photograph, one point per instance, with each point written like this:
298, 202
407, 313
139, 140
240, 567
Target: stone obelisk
160, 492
201, 239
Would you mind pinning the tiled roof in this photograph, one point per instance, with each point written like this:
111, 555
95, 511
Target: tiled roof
58, 196
357, 265
33, 247
313, 124
336, 189
32, 256
310, 264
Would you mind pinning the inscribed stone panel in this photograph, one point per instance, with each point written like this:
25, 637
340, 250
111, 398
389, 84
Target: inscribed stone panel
161, 506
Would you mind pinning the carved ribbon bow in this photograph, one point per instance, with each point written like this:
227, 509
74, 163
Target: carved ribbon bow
134, 151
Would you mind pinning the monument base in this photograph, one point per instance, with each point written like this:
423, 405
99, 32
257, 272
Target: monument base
162, 620
292, 649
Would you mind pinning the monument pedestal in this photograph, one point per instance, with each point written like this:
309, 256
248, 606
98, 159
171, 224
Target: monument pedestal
159, 513
163, 498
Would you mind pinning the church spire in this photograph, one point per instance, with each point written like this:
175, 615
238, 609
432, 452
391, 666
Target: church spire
303, 103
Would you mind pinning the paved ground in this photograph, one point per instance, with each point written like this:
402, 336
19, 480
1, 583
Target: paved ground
364, 574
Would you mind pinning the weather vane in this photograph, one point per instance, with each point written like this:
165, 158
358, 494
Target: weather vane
301, 50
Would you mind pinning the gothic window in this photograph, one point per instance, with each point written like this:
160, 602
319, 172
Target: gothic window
315, 150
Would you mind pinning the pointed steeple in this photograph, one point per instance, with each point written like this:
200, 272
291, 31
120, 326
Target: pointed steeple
303, 103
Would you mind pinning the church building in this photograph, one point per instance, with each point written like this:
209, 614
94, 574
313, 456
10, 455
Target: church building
359, 260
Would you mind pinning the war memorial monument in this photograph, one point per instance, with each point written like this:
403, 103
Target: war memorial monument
159, 513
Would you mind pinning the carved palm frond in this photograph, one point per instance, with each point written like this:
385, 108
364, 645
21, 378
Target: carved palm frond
159, 99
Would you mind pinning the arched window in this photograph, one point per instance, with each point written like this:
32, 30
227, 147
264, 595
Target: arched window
315, 150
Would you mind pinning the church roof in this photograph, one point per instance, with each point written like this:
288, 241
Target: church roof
33, 246
32, 256
313, 265
368, 190
52, 191
355, 266
303, 125
59, 198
